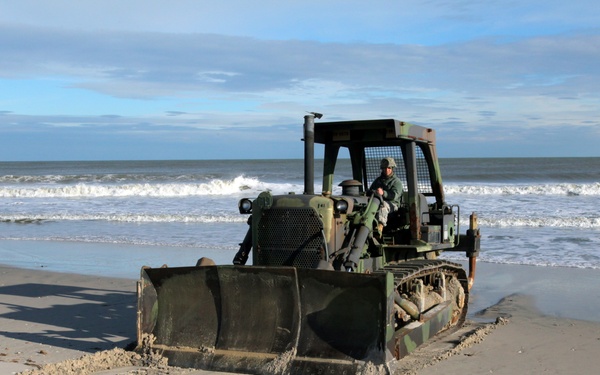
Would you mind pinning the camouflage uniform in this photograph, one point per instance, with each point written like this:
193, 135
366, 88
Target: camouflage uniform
392, 191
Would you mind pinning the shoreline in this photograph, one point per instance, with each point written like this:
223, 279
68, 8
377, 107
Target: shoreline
558, 291
562, 292
101, 259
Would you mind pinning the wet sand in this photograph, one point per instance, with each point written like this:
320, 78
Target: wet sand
548, 322
528, 343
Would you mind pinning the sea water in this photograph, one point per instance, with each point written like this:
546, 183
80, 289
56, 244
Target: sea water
533, 211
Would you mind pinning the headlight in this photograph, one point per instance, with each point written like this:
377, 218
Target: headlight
341, 206
245, 206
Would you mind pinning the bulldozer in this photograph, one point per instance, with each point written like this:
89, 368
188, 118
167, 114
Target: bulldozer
329, 290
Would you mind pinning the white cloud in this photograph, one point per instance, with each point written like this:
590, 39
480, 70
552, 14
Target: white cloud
493, 67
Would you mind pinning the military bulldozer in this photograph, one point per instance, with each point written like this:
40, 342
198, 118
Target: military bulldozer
329, 290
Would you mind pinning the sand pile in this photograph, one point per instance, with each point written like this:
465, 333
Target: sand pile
129, 362
120, 361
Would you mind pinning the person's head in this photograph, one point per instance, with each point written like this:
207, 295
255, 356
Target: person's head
387, 166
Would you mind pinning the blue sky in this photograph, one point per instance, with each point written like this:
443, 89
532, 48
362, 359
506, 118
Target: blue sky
190, 79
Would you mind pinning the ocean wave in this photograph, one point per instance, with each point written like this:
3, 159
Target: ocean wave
252, 186
238, 185
545, 189
527, 260
581, 222
124, 218
122, 240
540, 222
100, 178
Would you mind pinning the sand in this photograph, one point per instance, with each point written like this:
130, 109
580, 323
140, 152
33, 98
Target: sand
530, 320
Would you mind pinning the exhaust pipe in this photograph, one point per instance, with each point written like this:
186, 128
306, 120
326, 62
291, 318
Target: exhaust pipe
309, 152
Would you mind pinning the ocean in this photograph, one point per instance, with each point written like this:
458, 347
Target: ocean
532, 211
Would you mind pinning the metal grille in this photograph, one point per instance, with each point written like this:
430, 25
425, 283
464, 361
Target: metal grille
290, 237
423, 178
373, 156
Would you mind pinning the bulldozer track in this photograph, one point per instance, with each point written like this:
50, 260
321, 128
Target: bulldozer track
405, 272
409, 270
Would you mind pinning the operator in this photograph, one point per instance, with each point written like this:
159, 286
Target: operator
389, 187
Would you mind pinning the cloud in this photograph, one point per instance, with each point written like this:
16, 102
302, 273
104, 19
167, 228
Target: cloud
153, 64
475, 69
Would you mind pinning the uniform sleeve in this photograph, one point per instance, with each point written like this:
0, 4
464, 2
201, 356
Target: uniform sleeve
374, 185
394, 192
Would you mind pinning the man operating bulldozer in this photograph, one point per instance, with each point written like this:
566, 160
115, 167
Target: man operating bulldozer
389, 187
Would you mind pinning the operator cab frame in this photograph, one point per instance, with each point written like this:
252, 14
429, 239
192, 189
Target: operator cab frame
413, 148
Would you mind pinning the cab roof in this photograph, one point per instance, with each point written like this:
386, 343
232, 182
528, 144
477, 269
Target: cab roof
380, 131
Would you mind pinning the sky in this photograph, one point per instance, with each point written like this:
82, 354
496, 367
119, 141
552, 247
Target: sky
195, 79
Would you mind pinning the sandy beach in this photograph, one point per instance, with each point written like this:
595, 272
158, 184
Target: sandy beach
522, 319
47, 317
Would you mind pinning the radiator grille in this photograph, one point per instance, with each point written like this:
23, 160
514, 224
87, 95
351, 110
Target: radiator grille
290, 237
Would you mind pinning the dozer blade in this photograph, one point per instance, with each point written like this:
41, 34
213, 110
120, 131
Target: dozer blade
267, 319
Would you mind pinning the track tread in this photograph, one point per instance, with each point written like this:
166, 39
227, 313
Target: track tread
406, 271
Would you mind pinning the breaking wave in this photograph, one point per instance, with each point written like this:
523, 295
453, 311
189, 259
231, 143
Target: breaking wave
234, 217
564, 189
540, 222
253, 186
125, 218
217, 187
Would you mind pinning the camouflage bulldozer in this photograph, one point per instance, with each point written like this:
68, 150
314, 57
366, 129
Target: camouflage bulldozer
329, 290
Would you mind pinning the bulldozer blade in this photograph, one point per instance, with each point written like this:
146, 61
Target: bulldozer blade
267, 319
